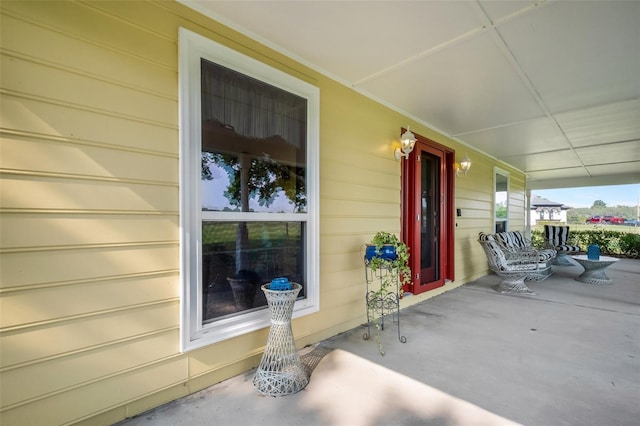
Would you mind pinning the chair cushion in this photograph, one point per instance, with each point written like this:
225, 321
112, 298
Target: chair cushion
485, 237
519, 239
556, 235
508, 240
568, 248
546, 254
515, 241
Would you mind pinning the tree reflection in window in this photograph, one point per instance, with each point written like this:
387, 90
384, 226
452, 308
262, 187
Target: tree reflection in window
267, 180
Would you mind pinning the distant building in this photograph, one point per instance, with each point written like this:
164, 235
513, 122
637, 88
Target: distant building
546, 210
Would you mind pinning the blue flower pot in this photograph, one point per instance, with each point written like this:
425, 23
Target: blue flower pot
387, 252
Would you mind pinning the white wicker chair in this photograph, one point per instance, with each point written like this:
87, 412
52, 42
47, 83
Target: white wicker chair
513, 267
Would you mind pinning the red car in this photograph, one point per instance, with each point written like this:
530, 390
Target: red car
617, 220
595, 219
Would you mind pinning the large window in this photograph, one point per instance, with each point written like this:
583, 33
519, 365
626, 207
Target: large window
249, 189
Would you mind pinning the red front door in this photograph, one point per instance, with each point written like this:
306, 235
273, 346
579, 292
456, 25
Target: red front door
428, 220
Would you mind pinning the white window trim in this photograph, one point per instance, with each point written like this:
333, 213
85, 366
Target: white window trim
499, 171
193, 47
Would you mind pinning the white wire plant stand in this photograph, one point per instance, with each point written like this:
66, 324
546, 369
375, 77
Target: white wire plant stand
281, 372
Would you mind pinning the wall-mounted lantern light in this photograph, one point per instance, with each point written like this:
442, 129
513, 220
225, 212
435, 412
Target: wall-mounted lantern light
463, 166
407, 142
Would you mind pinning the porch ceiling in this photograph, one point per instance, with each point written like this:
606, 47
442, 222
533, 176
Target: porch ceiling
551, 88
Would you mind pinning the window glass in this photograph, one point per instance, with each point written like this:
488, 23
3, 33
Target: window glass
501, 200
238, 257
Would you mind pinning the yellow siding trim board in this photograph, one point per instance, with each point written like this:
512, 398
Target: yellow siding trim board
46, 211
90, 246
101, 279
100, 179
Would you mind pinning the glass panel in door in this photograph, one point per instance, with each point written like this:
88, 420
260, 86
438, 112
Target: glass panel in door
429, 217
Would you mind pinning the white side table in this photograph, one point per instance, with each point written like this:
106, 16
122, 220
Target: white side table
594, 269
280, 371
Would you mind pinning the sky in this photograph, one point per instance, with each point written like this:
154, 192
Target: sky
613, 195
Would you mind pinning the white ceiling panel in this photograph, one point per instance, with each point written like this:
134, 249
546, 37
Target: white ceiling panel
530, 83
614, 122
545, 160
527, 137
562, 173
579, 53
616, 153
628, 169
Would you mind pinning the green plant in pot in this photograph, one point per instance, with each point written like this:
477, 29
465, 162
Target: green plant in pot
388, 258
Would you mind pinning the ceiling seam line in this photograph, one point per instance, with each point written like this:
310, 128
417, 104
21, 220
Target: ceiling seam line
578, 167
424, 54
499, 126
527, 82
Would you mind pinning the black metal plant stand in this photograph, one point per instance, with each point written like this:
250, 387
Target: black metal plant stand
381, 304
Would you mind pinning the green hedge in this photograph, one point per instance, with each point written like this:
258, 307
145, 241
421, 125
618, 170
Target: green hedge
610, 242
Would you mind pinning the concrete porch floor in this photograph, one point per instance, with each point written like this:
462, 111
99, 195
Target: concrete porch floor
570, 355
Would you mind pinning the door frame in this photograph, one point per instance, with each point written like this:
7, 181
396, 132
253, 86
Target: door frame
447, 213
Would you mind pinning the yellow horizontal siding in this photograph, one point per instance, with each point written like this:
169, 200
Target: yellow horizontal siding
31, 306
84, 22
78, 369
71, 266
31, 79
42, 342
90, 216
347, 191
66, 51
87, 162
102, 395
23, 192
28, 230
23, 117
359, 208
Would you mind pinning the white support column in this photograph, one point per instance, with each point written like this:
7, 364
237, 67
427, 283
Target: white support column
527, 230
